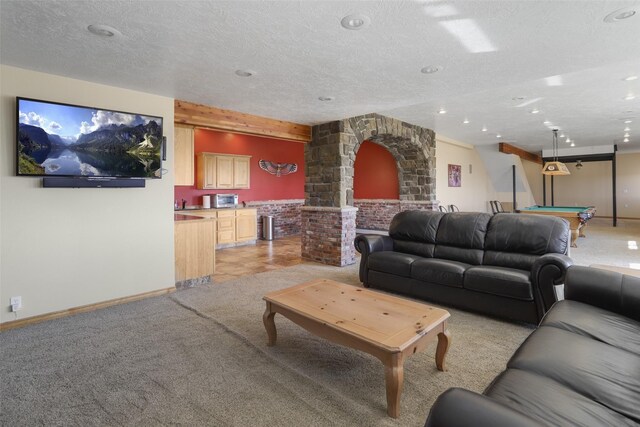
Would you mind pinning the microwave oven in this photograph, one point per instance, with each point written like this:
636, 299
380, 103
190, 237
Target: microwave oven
224, 200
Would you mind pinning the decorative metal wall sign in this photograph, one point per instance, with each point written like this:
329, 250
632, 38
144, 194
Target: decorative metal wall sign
278, 169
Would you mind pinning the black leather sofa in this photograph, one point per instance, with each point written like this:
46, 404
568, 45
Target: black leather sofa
581, 367
505, 265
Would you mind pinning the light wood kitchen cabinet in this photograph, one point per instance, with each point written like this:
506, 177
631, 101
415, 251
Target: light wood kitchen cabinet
206, 171
246, 225
226, 231
194, 243
241, 172
233, 226
223, 171
183, 155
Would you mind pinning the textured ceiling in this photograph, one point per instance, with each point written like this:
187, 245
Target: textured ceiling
559, 56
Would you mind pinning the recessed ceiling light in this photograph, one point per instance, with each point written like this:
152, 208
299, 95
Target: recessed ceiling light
355, 22
573, 144
484, 128
498, 136
629, 97
628, 121
442, 111
630, 78
619, 15
535, 111
625, 140
562, 135
431, 69
626, 135
103, 30
466, 121
627, 129
546, 122
568, 140
244, 73
326, 98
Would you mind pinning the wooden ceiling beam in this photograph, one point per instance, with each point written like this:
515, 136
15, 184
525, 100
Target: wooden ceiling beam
198, 115
503, 147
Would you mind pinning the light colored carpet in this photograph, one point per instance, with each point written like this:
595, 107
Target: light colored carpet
199, 357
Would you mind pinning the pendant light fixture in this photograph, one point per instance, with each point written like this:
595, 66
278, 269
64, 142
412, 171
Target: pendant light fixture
555, 167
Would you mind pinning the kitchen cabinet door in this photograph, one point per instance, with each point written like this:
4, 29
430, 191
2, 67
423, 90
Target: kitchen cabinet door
183, 155
241, 172
206, 171
226, 231
224, 172
246, 225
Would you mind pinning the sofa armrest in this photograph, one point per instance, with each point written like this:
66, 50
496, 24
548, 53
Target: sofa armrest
548, 271
609, 290
367, 244
457, 407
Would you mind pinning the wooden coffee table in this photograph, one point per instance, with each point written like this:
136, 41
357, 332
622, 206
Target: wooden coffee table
385, 326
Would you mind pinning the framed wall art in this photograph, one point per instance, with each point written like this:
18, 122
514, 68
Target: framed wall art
455, 176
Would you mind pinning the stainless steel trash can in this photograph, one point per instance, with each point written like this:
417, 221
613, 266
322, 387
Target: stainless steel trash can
267, 227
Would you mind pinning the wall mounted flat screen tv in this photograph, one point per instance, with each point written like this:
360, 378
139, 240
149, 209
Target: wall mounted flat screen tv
55, 139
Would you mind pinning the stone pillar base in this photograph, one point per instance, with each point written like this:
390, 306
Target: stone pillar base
328, 234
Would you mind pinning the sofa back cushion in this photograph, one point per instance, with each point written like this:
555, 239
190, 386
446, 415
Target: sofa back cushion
414, 232
461, 237
517, 240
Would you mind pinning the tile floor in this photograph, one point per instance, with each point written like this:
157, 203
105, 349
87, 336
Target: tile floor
263, 256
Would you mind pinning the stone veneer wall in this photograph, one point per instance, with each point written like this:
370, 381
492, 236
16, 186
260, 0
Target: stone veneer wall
330, 156
328, 235
286, 216
376, 214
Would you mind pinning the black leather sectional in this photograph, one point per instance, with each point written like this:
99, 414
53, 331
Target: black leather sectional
504, 265
581, 367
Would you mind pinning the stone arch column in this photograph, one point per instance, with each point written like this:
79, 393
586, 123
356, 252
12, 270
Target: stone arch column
328, 217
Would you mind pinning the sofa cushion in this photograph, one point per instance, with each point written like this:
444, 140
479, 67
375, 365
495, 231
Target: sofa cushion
506, 282
603, 373
461, 237
550, 402
419, 226
594, 322
439, 271
414, 248
534, 235
392, 262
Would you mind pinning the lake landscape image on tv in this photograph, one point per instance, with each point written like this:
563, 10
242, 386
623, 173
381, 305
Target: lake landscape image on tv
67, 140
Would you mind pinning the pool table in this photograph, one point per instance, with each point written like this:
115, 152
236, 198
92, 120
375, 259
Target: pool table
576, 215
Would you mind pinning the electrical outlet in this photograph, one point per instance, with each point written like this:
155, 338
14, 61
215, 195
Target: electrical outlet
16, 303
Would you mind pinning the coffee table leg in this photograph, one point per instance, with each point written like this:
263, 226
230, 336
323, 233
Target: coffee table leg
270, 325
394, 378
444, 341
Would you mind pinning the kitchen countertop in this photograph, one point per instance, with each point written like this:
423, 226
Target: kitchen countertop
184, 217
239, 207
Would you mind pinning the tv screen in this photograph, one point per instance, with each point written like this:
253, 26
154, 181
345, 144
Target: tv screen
70, 140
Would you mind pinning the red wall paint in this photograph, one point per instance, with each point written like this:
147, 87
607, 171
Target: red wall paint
375, 174
264, 186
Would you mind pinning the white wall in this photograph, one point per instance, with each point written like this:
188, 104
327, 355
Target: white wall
593, 185
534, 176
476, 189
64, 248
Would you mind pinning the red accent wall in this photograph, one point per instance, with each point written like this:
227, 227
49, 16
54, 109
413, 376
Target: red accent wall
375, 174
264, 186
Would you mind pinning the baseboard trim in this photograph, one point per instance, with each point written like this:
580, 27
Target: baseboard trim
81, 309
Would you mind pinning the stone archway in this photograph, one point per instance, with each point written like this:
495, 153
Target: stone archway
328, 217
